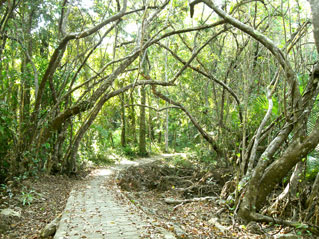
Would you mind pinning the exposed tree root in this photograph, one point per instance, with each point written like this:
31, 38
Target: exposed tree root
180, 201
298, 225
189, 180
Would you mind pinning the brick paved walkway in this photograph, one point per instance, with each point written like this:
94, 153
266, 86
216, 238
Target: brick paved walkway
93, 211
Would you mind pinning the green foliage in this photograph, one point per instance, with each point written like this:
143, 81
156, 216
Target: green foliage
7, 136
260, 107
205, 155
28, 196
130, 151
102, 159
312, 167
181, 161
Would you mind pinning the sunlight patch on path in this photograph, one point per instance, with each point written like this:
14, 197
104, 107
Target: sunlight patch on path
95, 210
102, 172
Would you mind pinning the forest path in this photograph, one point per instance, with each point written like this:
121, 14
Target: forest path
98, 210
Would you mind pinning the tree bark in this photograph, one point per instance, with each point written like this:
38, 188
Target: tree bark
123, 118
315, 17
142, 132
133, 120
264, 181
314, 192
276, 171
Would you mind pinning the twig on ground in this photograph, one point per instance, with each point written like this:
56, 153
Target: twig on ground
180, 201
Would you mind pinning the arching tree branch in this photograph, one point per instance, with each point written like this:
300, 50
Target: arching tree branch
205, 135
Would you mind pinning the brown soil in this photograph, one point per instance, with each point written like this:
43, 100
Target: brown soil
148, 186
39, 200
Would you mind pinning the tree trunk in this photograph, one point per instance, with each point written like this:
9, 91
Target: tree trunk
292, 187
133, 121
314, 193
263, 182
315, 17
166, 129
150, 125
142, 133
123, 118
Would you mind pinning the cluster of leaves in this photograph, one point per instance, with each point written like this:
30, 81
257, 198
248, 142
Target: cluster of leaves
312, 167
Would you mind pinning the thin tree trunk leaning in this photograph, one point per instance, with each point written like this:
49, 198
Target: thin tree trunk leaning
253, 153
205, 135
132, 117
166, 112
142, 131
151, 133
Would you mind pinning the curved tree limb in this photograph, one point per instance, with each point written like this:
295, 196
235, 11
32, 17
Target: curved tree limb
58, 53
153, 108
208, 76
269, 44
83, 106
194, 55
205, 135
198, 28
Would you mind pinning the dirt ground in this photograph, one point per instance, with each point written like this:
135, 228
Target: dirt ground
39, 200
186, 200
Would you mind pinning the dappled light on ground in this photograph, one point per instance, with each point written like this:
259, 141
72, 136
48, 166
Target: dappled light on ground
101, 172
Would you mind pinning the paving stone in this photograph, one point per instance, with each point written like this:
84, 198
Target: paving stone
94, 212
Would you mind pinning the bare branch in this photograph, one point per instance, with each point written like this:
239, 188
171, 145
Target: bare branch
64, 18
269, 44
153, 108
194, 55
198, 28
208, 76
60, 50
205, 135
